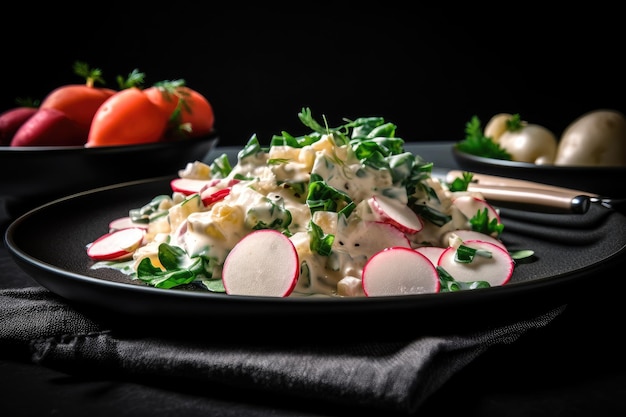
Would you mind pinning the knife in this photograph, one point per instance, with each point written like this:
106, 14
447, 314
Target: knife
515, 193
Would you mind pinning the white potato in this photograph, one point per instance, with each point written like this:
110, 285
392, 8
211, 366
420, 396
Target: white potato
597, 138
530, 143
496, 126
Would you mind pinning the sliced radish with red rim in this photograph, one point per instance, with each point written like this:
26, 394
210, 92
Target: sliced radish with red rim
190, 186
431, 252
470, 205
496, 269
396, 213
125, 222
263, 263
211, 196
369, 237
465, 234
399, 271
117, 245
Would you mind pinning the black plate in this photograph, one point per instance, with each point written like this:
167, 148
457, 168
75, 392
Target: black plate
605, 181
49, 244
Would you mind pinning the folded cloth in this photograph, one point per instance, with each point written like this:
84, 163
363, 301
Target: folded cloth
394, 376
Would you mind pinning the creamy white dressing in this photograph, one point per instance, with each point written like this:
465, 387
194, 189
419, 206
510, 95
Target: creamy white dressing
268, 193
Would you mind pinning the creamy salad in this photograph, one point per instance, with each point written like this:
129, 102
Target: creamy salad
340, 194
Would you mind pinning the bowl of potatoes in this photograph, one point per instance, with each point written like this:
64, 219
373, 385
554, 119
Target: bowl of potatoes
589, 155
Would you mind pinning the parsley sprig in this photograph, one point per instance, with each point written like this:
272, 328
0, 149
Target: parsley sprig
476, 143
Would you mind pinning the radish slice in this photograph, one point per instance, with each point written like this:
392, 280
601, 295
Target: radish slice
116, 245
431, 252
399, 271
496, 270
190, 186
470, 205
369, 237
265, 263
210, 196
124, 223
464, 235
396, 213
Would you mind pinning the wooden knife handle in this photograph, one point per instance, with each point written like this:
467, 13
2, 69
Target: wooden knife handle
557, 201
484, 179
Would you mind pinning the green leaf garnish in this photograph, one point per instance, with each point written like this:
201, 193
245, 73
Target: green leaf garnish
476, 143
481, 223
449, 284
461, 184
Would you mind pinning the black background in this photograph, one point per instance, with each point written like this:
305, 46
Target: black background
428, 69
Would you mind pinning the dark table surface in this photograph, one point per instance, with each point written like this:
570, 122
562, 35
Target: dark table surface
575, 366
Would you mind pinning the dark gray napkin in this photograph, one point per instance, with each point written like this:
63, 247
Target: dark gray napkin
390, 375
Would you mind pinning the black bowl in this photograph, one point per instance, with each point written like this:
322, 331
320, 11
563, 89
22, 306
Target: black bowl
605, 181
30, 176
